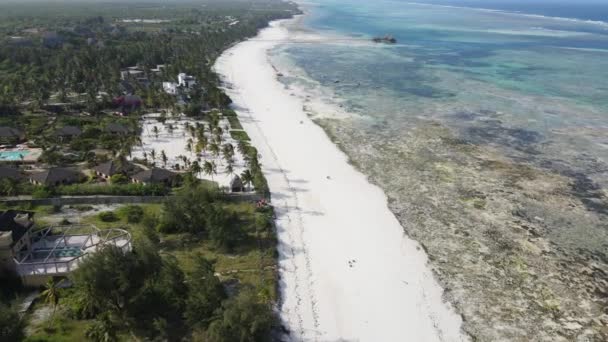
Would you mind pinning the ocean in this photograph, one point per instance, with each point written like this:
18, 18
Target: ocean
486, 125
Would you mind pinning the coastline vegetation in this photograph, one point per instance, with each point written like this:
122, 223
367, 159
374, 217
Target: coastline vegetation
200, 269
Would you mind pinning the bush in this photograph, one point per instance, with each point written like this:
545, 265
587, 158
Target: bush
133, 213
205, 293
119, 178
108, 216
234, 122
11, 325
239, 135
113, 190
42, 192
244, 318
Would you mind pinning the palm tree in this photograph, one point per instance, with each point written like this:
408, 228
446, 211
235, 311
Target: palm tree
210, 169
215, 149
189, 145
195, 168
247, 178
184, 160
242, 147
230, 169
200, 131
228, 151
51, 294
163, 157
218, 139
203, 142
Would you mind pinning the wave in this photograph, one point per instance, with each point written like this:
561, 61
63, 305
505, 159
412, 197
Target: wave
603, 24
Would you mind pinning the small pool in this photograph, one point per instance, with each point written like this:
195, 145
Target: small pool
13, 155
58, 253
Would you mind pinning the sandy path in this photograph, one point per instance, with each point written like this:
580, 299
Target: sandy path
348, 271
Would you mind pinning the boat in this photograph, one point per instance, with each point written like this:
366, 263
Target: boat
386, 39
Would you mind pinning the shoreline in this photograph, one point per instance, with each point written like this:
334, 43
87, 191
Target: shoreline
347, 269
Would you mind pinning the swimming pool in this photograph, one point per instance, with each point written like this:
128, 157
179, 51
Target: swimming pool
13, 155
57, 253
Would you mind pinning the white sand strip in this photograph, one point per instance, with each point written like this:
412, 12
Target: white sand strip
348, 271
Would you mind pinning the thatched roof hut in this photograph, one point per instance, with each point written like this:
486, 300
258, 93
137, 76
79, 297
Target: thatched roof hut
236, 184
113, 167
55, 176
155, 176
68, 131
9, 173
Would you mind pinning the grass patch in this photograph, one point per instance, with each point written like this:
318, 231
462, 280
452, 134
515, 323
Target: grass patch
122, 222
234, 122
60, 329
240, 135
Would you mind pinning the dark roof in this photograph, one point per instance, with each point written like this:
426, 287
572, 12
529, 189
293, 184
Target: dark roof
69, 131
117, 128
16, 221
10, 132
54, 175
9, 172
236, 182
154, 175
113, 167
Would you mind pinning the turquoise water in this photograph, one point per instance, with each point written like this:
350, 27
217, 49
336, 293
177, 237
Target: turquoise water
13, 155
488, 131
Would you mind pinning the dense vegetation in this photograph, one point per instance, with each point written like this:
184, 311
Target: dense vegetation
201, 269
189, 41
148, 295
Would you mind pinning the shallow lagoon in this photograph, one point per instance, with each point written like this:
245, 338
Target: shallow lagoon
489, 133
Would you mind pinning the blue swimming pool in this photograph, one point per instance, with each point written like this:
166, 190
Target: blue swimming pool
58, 253
13, 155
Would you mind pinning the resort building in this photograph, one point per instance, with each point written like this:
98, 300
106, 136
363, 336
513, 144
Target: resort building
11, 173
131, 72
37, 255
115, 128
10, 135
55, 176
68, 132
113, 167
170, 88
127, 103
159, 68
155, 176
184, 82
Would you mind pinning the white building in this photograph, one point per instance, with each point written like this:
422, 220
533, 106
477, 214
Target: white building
170, 88
184, 82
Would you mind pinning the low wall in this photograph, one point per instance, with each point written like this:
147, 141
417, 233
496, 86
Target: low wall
75, 200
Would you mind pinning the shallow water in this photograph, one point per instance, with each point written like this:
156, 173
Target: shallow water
488, 132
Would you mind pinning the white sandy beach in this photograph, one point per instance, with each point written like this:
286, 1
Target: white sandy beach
348, 271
